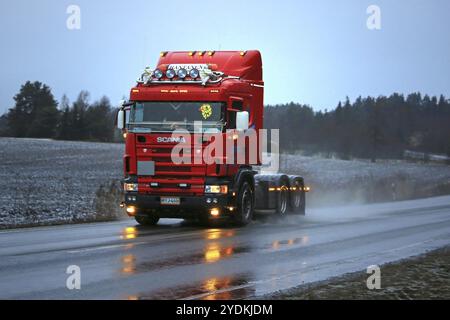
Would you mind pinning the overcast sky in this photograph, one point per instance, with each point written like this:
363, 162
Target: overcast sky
314, 52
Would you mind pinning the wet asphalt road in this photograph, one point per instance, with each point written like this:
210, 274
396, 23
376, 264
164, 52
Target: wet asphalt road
120, 260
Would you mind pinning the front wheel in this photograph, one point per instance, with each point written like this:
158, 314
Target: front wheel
245, 205
149, 220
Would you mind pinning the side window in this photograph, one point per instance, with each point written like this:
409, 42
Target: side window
237, 104
127, 116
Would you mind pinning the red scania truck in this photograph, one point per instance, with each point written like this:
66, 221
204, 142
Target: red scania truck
202, 94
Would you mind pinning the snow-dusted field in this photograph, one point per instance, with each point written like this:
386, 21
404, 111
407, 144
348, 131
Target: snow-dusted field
49, 182
336, 181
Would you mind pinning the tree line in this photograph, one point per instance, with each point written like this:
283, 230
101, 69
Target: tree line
36, 114
381, 127
371, 128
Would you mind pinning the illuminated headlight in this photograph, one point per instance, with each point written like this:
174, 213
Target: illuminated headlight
194, 73
158, 74
182, 73
131, 210
170, 73
216, 189
214, 212
130, 186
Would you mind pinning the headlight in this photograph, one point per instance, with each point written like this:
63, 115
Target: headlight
170, 73
182, 73
193, 73
216, 189
131, 210
130, 186
158, 74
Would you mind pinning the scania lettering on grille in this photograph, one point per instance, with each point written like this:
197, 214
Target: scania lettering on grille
170, 140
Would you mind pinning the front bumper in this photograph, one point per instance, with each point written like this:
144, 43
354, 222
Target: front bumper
189, 207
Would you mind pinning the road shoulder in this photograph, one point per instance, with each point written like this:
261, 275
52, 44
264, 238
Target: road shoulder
425, 276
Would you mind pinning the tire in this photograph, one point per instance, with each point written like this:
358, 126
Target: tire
245, 205
297, 197
148, 220
282, 199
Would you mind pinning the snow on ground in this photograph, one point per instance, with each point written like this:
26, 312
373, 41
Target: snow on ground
358, 181
49, 182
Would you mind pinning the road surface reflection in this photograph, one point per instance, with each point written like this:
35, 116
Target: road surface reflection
209, 247
129, 233
210, 251
284, 244
212, 288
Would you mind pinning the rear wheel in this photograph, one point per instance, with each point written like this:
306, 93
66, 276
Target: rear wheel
282, 199
245, 205
149, 220
297, 197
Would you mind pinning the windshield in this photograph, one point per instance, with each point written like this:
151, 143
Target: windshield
169, 116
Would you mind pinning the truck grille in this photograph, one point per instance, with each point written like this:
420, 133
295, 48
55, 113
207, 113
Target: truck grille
168, 175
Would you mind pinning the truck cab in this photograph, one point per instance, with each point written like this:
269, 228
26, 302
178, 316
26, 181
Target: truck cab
191, 102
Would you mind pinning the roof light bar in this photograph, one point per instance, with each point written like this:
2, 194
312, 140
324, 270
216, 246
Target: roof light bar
202, 76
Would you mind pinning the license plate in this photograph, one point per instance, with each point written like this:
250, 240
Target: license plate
170, 201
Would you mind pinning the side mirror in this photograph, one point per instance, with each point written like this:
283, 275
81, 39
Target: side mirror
242, 120
121, 119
